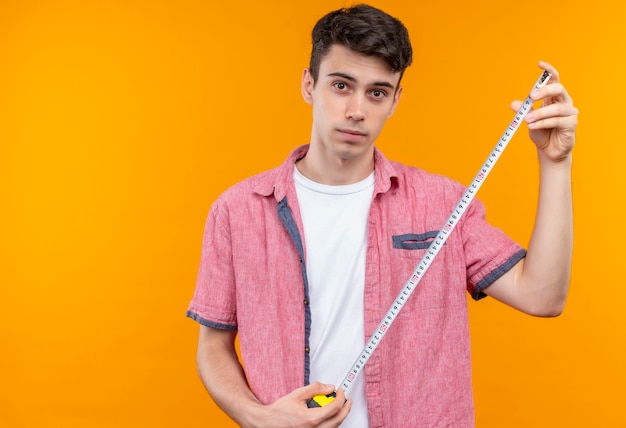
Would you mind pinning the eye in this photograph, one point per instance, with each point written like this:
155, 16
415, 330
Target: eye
341, 86
379, 94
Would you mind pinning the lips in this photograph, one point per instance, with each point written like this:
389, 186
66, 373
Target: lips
352, 135
352, 131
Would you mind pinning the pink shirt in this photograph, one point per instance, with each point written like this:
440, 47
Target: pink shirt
252, 279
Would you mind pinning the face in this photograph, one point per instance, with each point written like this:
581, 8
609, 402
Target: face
352, 99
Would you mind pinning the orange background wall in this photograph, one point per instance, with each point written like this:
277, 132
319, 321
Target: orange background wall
120, 122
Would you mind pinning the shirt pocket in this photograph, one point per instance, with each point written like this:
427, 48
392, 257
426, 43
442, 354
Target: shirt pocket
436, 291
414, 241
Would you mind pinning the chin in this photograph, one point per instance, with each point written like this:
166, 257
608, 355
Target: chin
349, 150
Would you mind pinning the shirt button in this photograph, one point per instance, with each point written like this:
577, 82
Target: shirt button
307, 349
306, 302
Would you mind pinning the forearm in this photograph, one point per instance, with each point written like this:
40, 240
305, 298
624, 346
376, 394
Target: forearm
224, 378
538, 283
546, 271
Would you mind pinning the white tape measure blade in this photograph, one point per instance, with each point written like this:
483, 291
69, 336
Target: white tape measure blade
441, 238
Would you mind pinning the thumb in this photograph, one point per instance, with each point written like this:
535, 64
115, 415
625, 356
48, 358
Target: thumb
317, 394
318, 388
516, 105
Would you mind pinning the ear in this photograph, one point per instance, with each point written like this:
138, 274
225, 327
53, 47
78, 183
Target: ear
307, 86
396, 100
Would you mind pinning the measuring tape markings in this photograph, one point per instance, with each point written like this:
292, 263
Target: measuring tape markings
440, 239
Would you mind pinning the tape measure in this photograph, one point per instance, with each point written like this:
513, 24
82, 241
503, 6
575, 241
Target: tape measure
433, 250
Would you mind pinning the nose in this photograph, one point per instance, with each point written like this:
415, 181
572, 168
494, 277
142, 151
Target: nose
356, 108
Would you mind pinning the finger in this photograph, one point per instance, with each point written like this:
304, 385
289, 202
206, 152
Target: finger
552, 110
316, 388
335, 405
340, 408
568, 122
556, 92
333, 413
343, 412
516, 105
341, 395
550, 69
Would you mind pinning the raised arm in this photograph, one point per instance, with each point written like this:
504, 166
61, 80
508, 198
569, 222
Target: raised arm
539, 283
224, 379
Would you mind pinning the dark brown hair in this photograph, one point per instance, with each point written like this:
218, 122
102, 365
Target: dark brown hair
363, 29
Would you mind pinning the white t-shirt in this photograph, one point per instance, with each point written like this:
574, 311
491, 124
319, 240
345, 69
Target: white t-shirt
335, 236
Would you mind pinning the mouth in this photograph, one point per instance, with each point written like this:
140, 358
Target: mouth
352, 131
352, 135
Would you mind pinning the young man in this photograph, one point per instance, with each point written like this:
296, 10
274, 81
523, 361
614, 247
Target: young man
302, 261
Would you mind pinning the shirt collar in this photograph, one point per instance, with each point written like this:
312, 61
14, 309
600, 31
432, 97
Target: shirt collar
277, 181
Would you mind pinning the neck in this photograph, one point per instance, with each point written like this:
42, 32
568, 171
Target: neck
334, 170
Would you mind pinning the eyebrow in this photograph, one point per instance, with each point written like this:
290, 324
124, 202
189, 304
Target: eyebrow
352, 79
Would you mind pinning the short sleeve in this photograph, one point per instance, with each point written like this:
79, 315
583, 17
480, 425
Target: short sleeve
489, 252
214, 300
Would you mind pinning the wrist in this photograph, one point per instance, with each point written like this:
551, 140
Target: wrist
564, 163
252, 415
